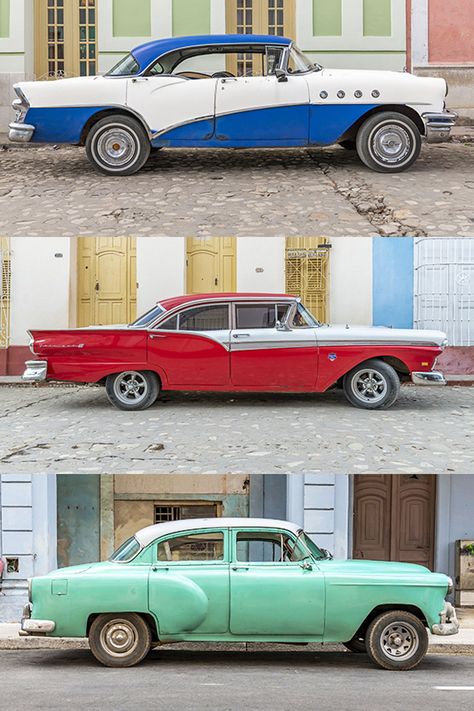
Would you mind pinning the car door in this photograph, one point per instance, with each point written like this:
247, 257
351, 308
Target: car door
272, 593
192, 347
188, 588
174, 108
262, 111
264, 355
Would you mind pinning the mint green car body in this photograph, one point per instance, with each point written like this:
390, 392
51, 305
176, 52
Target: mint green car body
314, 599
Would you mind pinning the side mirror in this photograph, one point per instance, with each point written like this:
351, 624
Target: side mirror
282, 326
306, 565
281, 75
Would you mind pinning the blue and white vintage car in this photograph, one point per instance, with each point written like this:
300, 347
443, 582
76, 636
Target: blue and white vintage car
232, 91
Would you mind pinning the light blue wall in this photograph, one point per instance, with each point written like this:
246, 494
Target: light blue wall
392, 282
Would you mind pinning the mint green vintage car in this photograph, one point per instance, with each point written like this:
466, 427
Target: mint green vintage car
240, 580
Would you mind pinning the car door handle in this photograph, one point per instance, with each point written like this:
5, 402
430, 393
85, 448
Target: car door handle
225, 80
158, 335
239, 567
139, 79
241, 335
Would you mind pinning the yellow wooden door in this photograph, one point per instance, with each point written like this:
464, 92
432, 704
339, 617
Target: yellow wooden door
107, 282
210, 265
307, 273
65, 38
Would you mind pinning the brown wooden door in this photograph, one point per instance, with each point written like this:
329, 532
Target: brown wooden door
394, 518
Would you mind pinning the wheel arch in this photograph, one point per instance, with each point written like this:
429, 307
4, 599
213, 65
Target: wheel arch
116, 111
407, 111
149, 619
160, 375
388, 607
397, 364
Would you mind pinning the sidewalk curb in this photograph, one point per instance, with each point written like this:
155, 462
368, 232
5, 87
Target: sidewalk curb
52, 643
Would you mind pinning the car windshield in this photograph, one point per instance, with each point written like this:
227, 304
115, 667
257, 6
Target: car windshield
148, 317
126, 551
316, 552
128, 66
298, 63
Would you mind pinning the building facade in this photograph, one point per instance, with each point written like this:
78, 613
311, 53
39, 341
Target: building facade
409, 283
441, 44
59, 520
55, 38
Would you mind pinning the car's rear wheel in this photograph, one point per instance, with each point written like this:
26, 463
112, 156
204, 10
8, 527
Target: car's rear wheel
119, 640
373, 385
118, 145
397, 640
388, 142
356, 644
132, 389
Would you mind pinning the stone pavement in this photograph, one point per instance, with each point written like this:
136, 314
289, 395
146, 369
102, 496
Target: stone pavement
51, 191
74, 429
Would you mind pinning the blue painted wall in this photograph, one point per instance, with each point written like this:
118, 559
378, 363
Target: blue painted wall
392, 282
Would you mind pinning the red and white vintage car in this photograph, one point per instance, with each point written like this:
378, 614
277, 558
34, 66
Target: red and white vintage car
237, 342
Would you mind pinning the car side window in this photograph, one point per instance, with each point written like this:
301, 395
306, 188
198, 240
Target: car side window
192, 547
267, 547
171, 324
255, 315
204, 318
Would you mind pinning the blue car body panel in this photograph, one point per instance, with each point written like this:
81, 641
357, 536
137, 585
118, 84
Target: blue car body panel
62, 124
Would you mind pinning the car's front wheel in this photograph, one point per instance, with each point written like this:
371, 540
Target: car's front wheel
118, 145
397, 640
119, 640
388, 142
132, 389
373, 385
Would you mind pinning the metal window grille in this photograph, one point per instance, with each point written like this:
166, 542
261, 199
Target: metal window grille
276, 17
245, 22
56, 38
87, 37
444, 287
5, 286
307, 273
178, 512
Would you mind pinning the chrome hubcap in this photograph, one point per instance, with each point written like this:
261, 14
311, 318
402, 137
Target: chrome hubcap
391, 144
130, 387
369, 385
119, 637
117, 146
399, 640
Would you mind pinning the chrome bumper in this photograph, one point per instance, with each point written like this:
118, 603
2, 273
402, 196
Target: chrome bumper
20, 132
35, 371
438, 126
434, 377
32, 627
449, 623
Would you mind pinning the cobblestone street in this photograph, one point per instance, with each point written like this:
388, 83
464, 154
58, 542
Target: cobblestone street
74, 429
55, 192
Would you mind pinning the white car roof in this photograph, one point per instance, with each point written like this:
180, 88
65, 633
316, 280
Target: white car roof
150, 533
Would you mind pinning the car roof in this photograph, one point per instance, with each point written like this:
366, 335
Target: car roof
150, 533
146, 53
173, 301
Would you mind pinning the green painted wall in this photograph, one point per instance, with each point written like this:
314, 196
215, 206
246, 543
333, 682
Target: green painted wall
327, 18
377, 18
191, 18
78, 518
4, 18
131, 19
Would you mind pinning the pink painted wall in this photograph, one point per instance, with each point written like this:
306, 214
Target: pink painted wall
451, 31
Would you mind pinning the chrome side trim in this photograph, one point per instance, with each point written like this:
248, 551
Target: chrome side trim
20, 132
35, 371
432, 378
438, 126
335, 343
272, 345
449, 623
157, 134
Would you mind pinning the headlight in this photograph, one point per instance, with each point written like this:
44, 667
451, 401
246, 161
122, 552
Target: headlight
450, 586
30, 590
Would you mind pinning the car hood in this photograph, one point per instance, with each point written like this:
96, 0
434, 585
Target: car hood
345, 333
